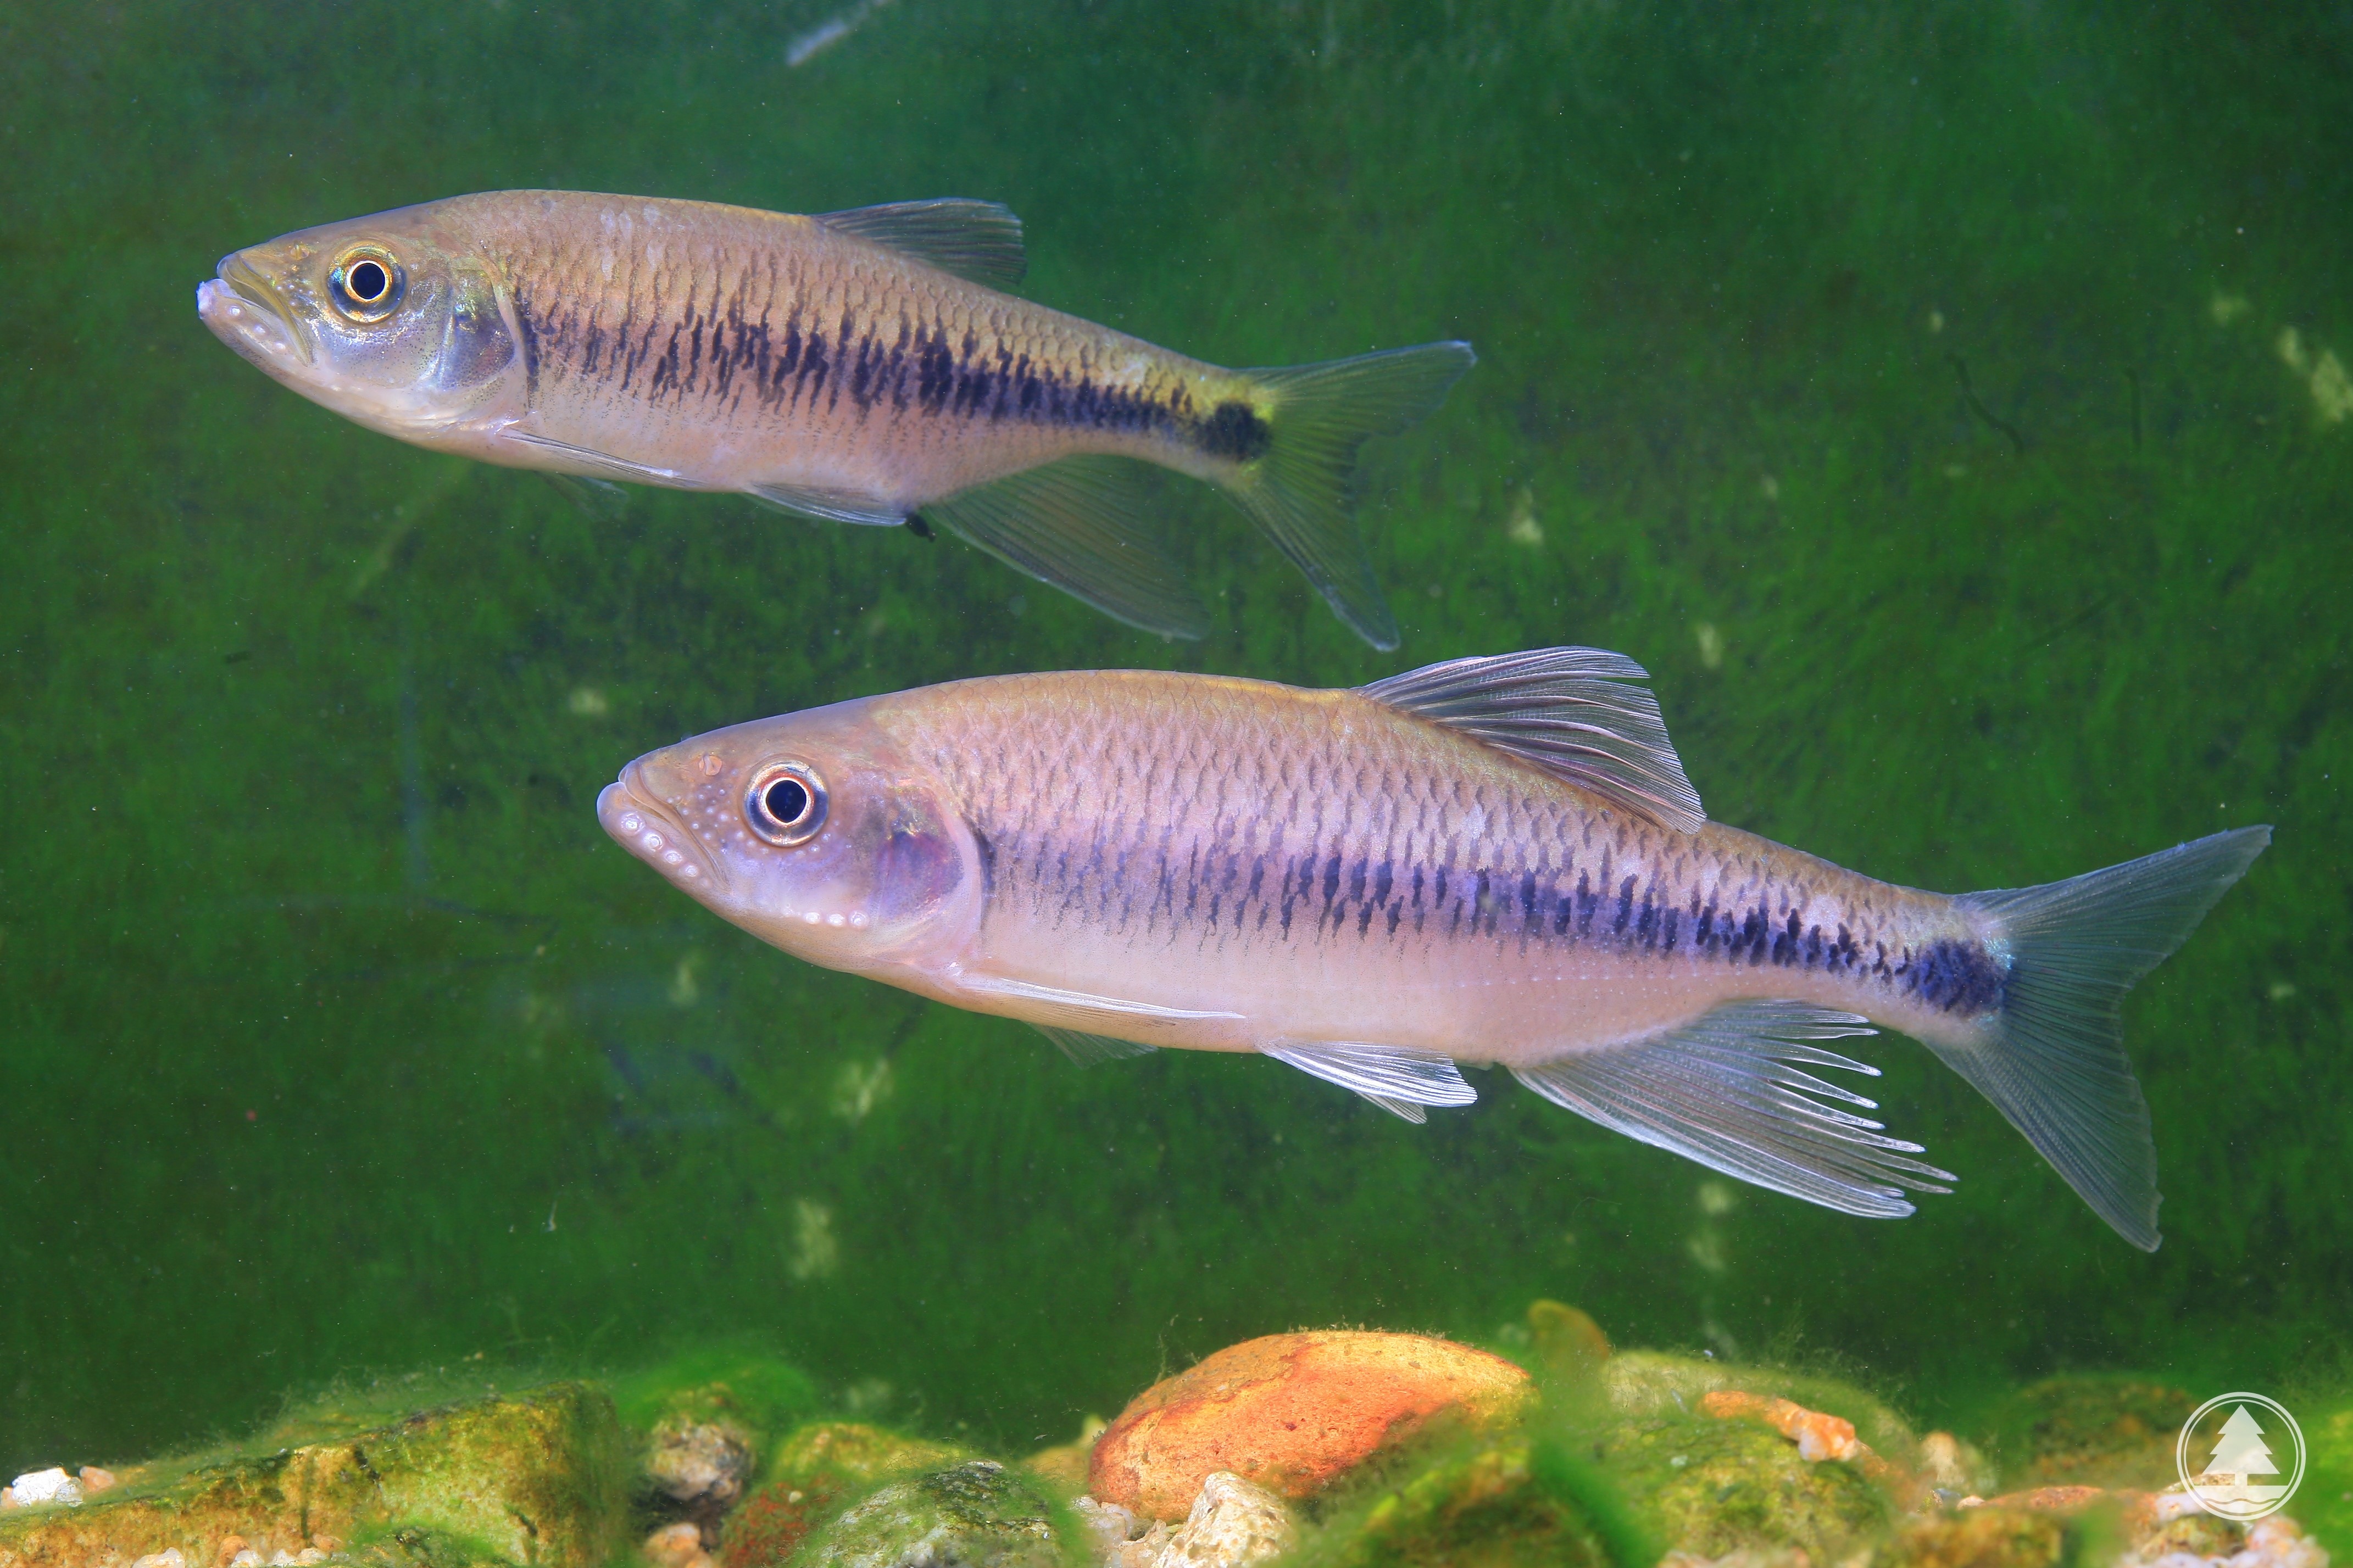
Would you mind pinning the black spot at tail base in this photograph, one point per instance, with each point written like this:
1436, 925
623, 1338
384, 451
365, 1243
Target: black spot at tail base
1958, 977
1233, 431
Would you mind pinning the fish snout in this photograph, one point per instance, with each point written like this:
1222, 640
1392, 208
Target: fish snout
626, 808
247, 310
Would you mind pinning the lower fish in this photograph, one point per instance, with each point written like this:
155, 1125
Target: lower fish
860, 366
1489, 861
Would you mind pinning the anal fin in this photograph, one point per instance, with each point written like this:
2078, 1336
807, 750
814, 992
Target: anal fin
1400, 1079
1720, 1089
1078, 525
1093, 1050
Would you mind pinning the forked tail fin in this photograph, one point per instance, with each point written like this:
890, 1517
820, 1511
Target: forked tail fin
2052, 1060
1296, 489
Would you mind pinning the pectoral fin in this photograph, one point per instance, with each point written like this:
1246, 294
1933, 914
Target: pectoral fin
1720, 1089
1084, 1012
1400, 1079
585, 459
1078, 525
831, 506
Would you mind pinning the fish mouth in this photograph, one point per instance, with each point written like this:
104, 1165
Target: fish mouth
625, 809
244, 308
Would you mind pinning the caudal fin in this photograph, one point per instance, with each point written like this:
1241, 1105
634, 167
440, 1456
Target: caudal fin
2052, 1060
1317, 415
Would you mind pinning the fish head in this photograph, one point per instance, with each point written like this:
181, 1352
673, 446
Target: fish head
816, 832
394, 321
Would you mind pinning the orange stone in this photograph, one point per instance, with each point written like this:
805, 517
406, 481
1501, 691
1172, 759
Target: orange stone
1294, 1413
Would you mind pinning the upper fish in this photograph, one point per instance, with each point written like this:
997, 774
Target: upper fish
1487, 861
860, 366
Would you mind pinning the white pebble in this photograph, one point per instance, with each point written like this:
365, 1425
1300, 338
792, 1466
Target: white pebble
52, 1485
168, 1558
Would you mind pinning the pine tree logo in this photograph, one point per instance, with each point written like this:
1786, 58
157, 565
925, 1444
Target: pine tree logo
2251, 1442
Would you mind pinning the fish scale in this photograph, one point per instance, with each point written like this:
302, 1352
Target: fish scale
1504, 859
833, 325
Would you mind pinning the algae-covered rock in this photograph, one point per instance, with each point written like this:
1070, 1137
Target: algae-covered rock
699, 1463
1642, 1382
2325, 1503
703, 1424
1296, 1413
1484, 1510
420, 1548
1979, 1538
1709, 1487
535, 1479
758, 1392
2084, 1429
973, 1515
814, 1471
1565, 1339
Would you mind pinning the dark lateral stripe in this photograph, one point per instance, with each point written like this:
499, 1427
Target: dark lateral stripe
746, 337
1334, 894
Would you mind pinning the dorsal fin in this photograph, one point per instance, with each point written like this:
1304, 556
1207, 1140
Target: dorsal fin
976, 240
1567, 710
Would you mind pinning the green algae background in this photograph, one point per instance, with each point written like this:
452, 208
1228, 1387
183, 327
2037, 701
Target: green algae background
1938, 399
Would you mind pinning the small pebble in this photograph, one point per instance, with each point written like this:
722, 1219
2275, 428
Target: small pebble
248, 1557
677, 1546
94, 1479
170, 1557
52, 1485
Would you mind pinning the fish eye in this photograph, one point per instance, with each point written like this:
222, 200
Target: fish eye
367, 283
786, 805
